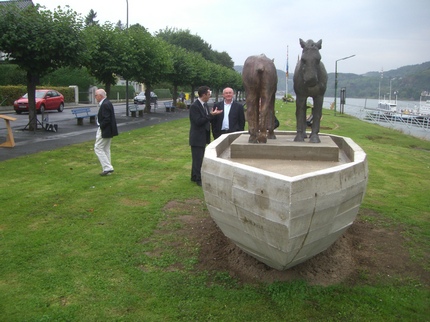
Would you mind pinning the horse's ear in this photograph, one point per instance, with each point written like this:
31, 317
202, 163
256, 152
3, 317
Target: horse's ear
319, 43
302, 43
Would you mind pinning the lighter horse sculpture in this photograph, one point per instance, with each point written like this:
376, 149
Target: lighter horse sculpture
260, 82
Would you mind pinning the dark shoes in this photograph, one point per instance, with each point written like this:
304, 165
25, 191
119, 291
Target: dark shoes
198, 182
106, 173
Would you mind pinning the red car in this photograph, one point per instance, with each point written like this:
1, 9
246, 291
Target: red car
46, 99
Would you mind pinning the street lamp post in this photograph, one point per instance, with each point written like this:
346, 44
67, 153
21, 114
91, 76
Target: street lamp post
335, 81
126, 81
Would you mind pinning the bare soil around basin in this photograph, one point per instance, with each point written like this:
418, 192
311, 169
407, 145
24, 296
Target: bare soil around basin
372, 250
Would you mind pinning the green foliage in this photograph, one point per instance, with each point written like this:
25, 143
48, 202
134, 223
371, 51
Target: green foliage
11, 74
183, 69
39, 41
119, 91
288, 98
103, 55
149, 57
181, 105
24, 37
194, 43
8, 94
67, 76
90, 19
68, 93
163, 93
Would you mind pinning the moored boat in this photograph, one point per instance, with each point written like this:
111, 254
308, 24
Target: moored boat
424, 108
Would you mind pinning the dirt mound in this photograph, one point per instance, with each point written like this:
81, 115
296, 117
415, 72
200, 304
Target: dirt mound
366, 253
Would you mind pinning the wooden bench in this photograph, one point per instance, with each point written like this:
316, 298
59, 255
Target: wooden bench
169, 107
84, 112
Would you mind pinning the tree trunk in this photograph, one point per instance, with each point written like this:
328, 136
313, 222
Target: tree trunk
148, 98
216, 95
175, 94
192, 94
107, 90
31, 95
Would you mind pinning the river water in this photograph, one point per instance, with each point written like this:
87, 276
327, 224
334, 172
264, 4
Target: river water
359, 107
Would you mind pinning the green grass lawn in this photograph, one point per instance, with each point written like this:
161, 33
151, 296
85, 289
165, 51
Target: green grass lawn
74, 246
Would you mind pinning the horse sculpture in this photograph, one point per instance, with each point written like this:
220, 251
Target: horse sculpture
260, 82
310, 80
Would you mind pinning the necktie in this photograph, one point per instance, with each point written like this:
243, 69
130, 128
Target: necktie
206, 108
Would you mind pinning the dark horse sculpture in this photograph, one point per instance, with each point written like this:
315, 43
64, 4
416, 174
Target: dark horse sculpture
310, 80
260, 82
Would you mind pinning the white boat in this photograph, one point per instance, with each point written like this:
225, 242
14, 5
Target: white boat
387, 106
424, 107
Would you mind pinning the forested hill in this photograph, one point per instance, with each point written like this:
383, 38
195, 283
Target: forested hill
407, 81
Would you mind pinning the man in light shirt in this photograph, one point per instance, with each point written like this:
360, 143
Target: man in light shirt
233, 118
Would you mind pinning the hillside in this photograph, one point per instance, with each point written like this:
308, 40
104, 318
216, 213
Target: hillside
407, 81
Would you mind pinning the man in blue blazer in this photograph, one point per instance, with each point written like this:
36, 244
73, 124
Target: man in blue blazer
106, 131
233, 118
200, 135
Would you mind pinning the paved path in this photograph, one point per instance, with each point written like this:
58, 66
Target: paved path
28, 142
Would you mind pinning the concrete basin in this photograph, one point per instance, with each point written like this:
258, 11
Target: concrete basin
283, 202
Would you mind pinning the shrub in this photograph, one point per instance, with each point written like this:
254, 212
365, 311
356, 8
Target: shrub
163, 93
181, 105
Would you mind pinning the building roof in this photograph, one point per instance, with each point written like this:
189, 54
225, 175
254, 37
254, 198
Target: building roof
20, 3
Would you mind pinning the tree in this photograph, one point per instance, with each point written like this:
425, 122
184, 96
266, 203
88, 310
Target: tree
67, 76
90, 19
223, 59
103, 55
147, 59
201, 72
183, 69
120, 25
194, 43
184, 39
39, 41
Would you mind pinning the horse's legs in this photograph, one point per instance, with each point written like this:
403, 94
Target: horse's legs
262, 125
300, 118
252, 116
316, 112
271, 119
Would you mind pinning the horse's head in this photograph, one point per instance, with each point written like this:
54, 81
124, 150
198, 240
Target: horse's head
310, 61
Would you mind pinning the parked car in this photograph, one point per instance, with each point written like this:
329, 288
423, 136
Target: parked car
46, 99
141, 99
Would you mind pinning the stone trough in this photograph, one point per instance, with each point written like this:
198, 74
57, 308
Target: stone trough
283, 202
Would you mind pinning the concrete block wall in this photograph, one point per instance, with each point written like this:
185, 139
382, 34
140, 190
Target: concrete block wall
283, 220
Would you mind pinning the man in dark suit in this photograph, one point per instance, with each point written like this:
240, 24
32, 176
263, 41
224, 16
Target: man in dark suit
106, 131
233, 118
200, 117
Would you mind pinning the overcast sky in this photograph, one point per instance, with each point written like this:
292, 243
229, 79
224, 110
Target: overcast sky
383, 34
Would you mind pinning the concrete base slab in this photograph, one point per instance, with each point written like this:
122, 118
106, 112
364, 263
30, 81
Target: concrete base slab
284, 147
